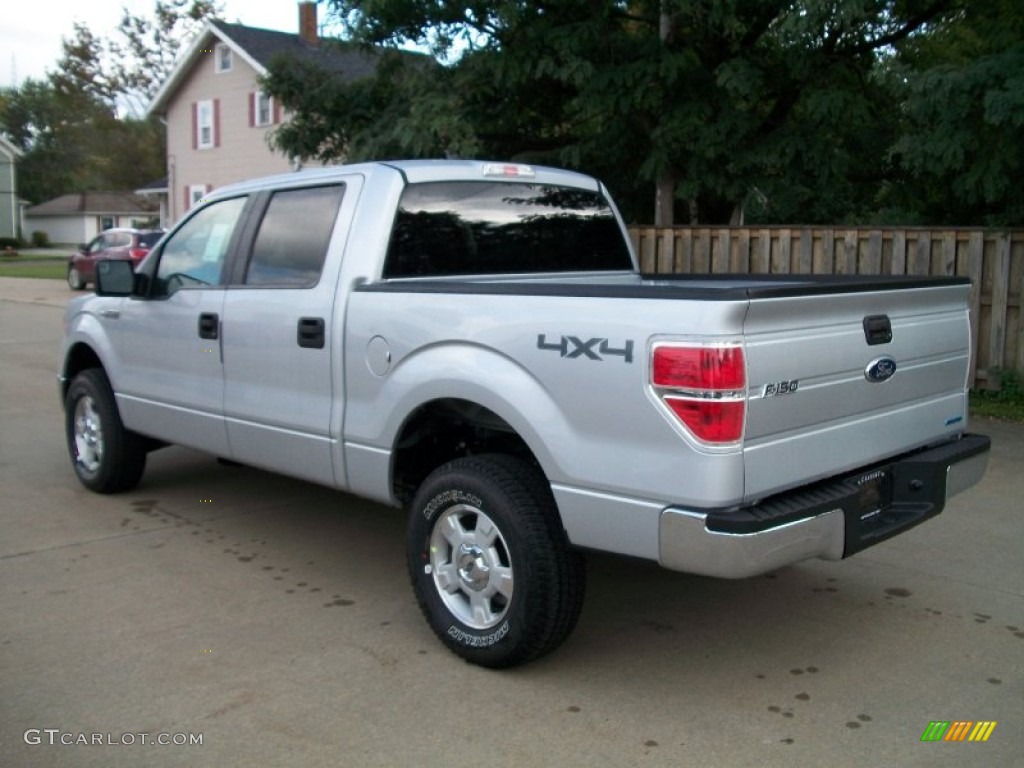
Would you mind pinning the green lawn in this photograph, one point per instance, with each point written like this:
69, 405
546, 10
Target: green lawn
56, 252
1004, 410
50, 267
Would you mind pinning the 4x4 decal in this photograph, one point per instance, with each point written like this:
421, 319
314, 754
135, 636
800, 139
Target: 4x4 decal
586, 349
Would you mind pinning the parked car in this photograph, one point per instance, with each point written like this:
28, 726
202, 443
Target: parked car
119, 243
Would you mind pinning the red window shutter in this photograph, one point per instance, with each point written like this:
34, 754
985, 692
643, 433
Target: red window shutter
277, 112
252, 109
195, 125
216, 122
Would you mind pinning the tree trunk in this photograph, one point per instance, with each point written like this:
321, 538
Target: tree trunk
665, 186
664, 200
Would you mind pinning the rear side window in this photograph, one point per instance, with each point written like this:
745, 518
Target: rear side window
488, 228
292, 240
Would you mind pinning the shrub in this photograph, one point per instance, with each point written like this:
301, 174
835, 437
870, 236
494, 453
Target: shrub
1009, 388
40, 239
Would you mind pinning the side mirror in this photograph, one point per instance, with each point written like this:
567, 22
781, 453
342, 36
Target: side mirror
115, 277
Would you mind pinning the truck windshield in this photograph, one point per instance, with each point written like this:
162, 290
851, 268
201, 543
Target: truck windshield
490, 227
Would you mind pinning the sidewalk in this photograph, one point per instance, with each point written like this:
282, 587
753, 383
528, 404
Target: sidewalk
30, 290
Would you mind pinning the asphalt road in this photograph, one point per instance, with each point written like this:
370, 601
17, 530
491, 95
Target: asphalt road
274, 620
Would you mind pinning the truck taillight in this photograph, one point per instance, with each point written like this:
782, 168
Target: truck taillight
703, 386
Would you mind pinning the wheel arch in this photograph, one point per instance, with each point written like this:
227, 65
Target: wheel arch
446, 428
478, 399
79, 357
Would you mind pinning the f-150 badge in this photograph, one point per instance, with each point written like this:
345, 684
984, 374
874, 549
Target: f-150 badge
776, 388
592, 349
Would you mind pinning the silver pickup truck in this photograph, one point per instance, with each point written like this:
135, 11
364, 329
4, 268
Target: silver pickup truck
474, 341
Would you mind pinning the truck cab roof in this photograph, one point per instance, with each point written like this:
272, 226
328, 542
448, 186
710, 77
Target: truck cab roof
421, 171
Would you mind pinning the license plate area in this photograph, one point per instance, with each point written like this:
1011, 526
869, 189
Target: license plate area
876, 508
874, 494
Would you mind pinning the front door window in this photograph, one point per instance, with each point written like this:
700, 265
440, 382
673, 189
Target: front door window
194, 255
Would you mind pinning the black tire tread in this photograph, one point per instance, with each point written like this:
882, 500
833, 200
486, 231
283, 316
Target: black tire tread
554, 562
124, 451
571, 565
75, 286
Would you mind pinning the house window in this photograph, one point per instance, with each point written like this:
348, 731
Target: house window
264, 109
204, 124
106, 222
223, 54
196, 193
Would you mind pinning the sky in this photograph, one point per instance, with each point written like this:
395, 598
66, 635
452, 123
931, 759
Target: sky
30, 35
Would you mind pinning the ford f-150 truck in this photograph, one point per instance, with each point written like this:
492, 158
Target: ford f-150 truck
474, 341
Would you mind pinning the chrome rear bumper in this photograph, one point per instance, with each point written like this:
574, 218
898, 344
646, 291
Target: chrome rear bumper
827, 520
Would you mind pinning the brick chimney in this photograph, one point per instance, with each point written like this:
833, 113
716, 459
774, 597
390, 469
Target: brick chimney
307, 23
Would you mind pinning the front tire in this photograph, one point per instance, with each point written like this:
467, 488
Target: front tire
106, 457
490, 564
75, 281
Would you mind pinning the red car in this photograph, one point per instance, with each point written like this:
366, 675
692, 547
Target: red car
120, 243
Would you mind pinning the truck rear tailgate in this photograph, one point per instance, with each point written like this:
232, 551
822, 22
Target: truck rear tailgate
827, 392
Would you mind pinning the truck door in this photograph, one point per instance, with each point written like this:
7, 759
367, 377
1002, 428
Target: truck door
282, 335
170, 380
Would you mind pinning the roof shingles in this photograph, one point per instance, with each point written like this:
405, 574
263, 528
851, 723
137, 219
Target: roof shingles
338, 57
93, 203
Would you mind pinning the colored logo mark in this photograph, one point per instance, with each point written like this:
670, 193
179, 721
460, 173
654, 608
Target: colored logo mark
958, 730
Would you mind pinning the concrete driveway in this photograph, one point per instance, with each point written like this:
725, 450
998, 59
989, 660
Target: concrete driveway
273, 620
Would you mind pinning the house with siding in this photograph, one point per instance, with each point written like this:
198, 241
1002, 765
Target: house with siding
10, 210
156, 191
78, 218
218, 120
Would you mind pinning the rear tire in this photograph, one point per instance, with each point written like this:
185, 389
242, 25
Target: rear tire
490, 564
106, 457
75, 281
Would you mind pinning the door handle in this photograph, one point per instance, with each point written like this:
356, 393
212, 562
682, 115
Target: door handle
311, 332
877, 329
209, 324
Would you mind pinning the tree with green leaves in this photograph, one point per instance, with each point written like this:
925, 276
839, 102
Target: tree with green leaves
145, 49
127, 68
959, 152
72, 126
73, 142
729, 106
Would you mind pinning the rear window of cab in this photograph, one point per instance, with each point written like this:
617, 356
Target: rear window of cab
491, 227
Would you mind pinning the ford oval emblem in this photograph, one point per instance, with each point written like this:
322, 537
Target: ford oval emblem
880, 369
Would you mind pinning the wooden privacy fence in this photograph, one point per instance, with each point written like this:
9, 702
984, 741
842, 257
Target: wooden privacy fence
993, 260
